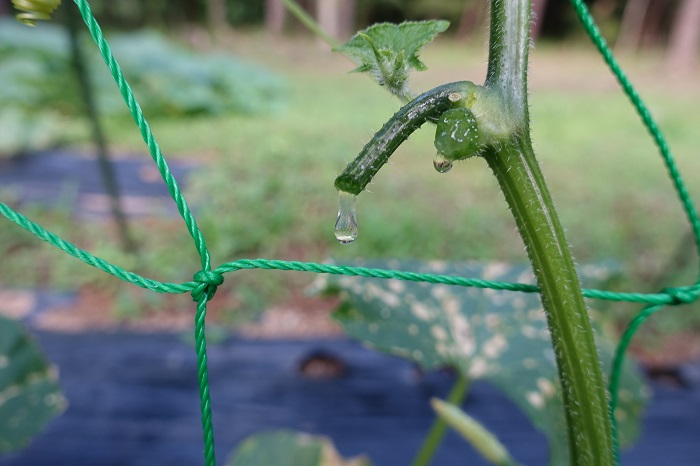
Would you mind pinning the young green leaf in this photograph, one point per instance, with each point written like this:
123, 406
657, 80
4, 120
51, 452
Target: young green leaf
389, 52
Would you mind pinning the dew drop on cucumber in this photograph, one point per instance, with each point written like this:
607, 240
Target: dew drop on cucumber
441, 164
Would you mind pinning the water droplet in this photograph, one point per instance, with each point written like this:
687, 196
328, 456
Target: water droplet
346, 225
441, 164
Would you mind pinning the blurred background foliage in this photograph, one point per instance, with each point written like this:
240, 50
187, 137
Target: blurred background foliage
635, 22
39, 87
271, 118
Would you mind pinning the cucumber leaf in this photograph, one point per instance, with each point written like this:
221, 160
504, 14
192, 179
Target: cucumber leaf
497, 336
29, 393
389, 52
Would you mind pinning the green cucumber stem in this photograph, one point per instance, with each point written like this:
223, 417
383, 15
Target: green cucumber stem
509, 44
521, 180
583, 389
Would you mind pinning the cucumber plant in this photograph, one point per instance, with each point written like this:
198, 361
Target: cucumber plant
492, 121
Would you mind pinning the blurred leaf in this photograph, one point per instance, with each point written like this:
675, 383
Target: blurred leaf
498, 336
46, 40
389, 52
171, 80
38, 79
29, 393
22, 131
289, 448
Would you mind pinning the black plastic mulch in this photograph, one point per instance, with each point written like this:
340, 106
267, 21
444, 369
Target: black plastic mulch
134, 401
52, 177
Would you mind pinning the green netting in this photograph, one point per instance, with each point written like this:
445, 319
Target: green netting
206, 281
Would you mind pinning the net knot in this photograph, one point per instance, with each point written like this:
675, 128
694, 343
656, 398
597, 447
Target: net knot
683, 295
207, 283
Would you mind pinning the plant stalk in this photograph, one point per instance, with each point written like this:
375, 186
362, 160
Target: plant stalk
104, 162
307, 20
520, 178
437, 431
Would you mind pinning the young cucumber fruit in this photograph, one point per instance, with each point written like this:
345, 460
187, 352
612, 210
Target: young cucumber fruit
460, 134
426, 107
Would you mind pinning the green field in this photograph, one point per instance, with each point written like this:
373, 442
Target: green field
265, 187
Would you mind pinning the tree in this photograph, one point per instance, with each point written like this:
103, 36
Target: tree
632, 25
685, 37
217, 19
336, 17
275, 16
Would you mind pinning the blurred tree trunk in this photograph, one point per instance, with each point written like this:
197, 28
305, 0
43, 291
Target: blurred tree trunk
155, 12
336, 17
217, 18
685, 37
538, 9
275, 16
346, 27
471, 19
652, 31
632, 25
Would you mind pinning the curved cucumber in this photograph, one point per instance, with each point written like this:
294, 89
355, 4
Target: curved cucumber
426, 107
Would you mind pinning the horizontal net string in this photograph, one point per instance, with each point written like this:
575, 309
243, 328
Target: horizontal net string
671, 296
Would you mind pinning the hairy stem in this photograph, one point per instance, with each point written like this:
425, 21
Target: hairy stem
518, 173
508, 51
581, 378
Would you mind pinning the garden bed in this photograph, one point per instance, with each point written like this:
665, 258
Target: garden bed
133, 400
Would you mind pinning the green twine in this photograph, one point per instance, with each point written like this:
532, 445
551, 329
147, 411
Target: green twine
207, 285
681, 295
205, 282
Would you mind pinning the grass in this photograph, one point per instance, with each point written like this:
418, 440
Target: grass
265, 188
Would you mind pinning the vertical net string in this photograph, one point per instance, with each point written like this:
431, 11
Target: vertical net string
207, 287
146, 133
593, 32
